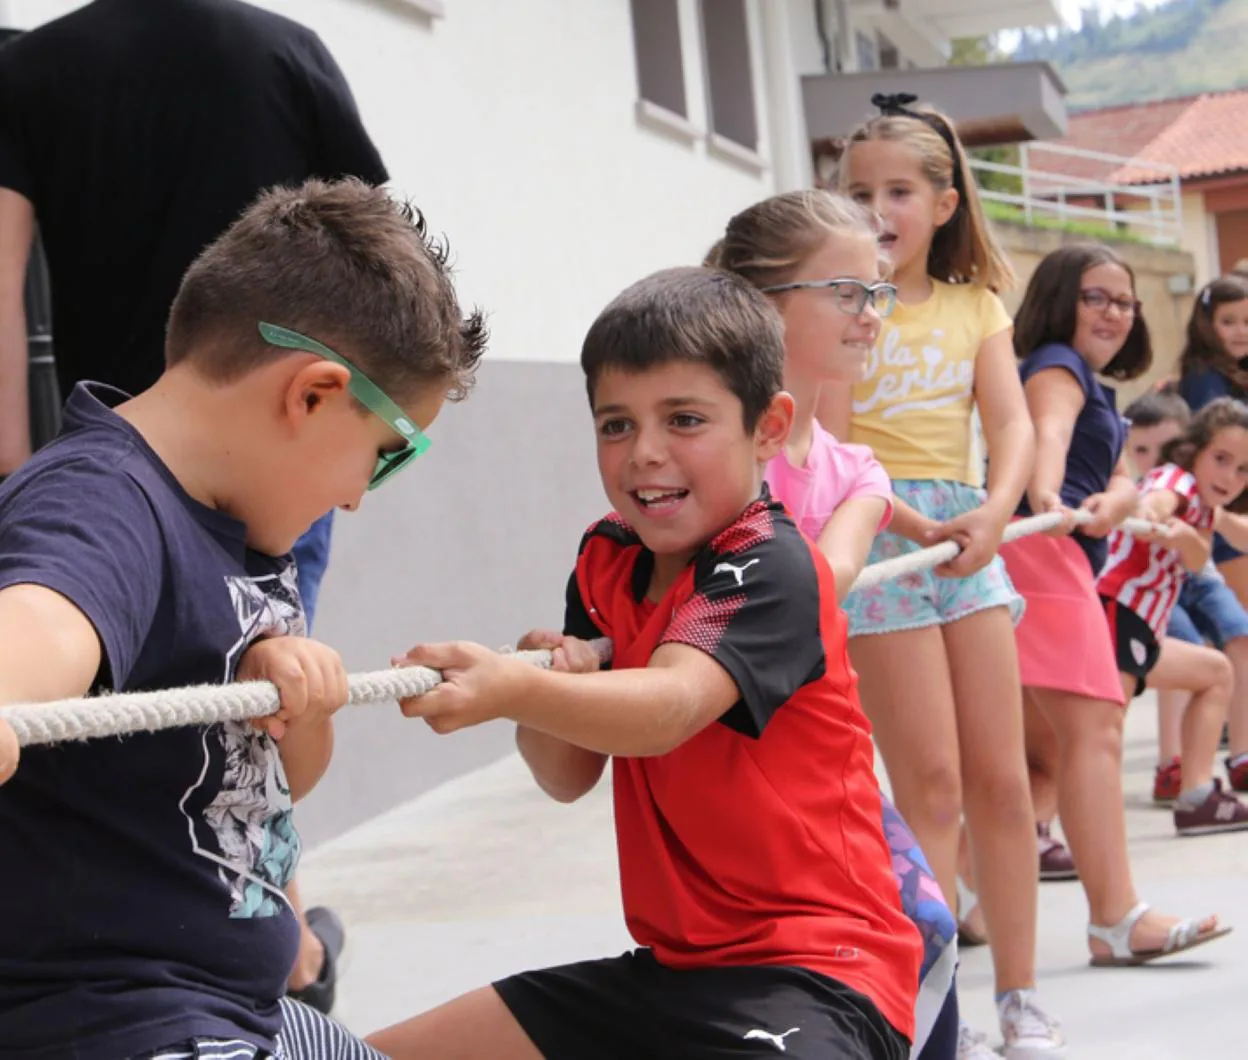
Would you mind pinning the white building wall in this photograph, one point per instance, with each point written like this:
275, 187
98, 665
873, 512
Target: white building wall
512, 125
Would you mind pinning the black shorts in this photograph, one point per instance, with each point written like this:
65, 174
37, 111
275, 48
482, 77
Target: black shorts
633, 1008
1135, 644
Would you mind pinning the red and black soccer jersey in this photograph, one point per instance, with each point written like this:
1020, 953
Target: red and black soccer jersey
758, 841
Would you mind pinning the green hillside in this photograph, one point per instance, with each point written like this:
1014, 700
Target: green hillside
1181, 48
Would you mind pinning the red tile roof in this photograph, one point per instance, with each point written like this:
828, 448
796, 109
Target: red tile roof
1204, 136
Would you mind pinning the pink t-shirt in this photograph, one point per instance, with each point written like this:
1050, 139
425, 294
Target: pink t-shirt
834, 473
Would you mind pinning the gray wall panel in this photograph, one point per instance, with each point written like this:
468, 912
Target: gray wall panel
475, 540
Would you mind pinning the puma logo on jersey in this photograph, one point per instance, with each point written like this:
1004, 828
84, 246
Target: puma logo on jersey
736, 572
766, 1036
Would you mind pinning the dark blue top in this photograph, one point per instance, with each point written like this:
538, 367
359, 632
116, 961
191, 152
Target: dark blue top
1095, 444
140, 897
1200, 388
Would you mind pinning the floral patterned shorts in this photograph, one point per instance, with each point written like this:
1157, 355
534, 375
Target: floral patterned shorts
916, 601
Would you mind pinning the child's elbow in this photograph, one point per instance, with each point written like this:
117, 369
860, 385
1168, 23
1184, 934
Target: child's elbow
567, 786
564, 792
658, 744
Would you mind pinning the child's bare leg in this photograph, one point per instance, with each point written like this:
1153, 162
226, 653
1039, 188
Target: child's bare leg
1237, 712
1089, 734
966, 866
1170, 707
311, 955
477, 1026
972, 931
1207, 674
911, 711
1041, 743
983, 666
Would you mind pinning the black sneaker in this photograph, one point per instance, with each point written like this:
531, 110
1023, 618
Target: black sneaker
325, 925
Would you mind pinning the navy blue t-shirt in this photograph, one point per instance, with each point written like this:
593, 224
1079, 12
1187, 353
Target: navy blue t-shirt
1095, 445
140, 897
1200, 388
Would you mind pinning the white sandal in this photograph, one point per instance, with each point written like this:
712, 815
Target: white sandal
1184, 935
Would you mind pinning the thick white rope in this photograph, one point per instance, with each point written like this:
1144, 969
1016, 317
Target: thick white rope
115, 715
925, 559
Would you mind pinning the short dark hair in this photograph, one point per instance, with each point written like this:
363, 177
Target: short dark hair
1162, 404
1218, 414
341, 262
693, 315
1049, 310
1204, 351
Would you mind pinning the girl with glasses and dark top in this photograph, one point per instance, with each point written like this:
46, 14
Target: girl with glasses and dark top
1080, 319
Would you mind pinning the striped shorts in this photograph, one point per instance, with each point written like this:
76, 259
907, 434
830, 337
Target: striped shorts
305, 1035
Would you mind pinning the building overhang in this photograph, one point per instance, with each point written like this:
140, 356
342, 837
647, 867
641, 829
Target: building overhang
995, 104
971, 18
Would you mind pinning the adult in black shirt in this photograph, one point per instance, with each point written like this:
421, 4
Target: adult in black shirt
134, 133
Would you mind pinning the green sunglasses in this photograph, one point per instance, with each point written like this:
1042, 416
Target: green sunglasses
368, 394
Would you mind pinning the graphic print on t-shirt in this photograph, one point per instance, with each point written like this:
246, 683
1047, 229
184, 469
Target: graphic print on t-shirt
897, 371
250, 816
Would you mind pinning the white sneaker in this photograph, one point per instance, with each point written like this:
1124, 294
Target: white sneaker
1030, 1033
973, 1045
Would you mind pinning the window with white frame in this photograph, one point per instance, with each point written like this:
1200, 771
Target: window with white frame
729, 78
660, 67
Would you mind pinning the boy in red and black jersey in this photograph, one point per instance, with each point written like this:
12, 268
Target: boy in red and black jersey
755, 874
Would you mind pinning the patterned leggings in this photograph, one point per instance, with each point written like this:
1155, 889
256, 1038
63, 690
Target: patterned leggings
922, 901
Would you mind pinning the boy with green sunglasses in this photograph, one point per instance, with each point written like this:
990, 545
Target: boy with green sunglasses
146, 548
368, 394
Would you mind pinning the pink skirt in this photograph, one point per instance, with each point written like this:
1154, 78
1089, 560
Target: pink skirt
1063, 639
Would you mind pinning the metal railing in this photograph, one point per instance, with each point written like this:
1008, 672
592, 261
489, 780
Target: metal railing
1061, 184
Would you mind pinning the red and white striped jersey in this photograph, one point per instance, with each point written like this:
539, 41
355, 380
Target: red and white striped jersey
1144, 576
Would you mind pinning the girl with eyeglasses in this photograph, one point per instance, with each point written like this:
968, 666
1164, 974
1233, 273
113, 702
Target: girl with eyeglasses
1080, 319
816, 254
935, 651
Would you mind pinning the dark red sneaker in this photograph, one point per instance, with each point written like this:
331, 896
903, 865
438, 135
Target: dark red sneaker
1055, 860
1237, 775
1220, 812
1167, 782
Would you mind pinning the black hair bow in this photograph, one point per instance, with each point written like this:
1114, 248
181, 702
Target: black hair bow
894, 104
